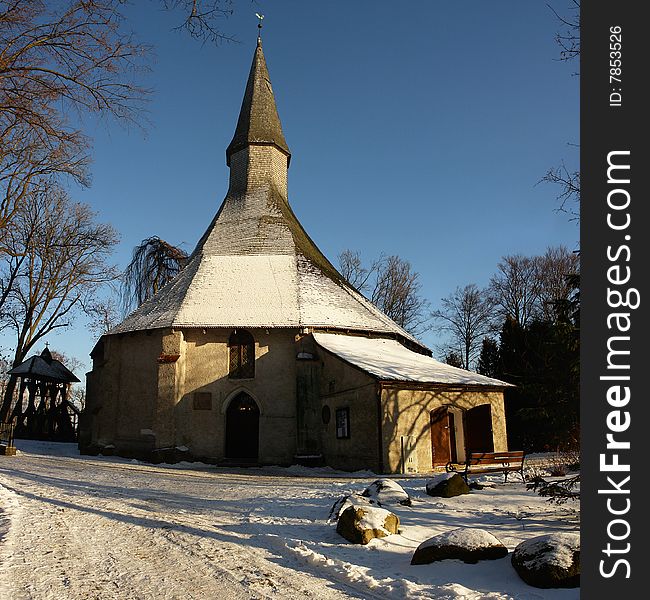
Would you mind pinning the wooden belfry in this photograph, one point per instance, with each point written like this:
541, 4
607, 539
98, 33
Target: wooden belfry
45, 413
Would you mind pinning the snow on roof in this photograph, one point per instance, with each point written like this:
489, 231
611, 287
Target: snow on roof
242, 291
269, 290
387, 359
256, 267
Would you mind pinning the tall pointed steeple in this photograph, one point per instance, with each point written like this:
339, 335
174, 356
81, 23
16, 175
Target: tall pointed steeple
258, 123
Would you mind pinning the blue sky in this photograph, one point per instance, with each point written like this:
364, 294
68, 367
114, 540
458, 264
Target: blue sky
418, 129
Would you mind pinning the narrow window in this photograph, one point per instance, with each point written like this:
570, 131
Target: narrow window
242, 355
342, 423
326, 413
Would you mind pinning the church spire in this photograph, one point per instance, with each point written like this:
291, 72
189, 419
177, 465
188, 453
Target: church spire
258, 123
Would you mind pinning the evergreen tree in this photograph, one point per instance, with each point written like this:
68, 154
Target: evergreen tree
542, 360
454, 359
489, 361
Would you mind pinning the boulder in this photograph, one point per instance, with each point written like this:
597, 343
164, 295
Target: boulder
360, 524
387, 491
348, 500
467, 544
549, 561
447, 486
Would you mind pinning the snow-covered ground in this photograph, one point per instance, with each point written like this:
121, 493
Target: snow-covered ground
77, 527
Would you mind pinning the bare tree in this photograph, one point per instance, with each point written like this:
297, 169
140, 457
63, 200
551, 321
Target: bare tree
526, 288
58, 58
5, 367
466, 316
352, 268
557, 270
104, 315
71, 363
515, 289
397, 294
569, 185
74, 57
568, 39
57, 263
392, 285
153, 264
201, 18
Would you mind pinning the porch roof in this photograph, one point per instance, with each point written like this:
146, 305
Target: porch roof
387, 359
44, 367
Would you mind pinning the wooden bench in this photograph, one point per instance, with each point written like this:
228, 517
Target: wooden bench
492, 462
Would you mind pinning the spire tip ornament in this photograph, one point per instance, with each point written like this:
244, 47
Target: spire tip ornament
259, 27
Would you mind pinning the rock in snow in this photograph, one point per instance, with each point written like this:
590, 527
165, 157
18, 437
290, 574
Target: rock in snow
346, 501
467, 544
360, 524
387, 491
549, 561
447, 486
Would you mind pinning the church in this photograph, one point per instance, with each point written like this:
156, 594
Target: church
260, 352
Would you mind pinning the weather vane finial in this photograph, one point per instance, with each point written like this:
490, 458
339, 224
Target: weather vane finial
259, 26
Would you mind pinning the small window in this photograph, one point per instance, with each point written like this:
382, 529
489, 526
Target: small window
242, 355
202, 401
326, 414
342, 423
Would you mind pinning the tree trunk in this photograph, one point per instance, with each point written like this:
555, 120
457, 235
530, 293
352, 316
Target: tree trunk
5, 410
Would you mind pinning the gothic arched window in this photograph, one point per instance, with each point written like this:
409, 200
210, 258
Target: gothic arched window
242, 355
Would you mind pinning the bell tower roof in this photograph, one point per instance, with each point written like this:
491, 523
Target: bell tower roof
258, 123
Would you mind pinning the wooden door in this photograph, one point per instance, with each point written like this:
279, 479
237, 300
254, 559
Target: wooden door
452, 437
242, 428
440, 448
478, 429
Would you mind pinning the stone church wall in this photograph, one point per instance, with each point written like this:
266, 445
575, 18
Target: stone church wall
121, 393
205, 371
153, 392
347, 389
142, 394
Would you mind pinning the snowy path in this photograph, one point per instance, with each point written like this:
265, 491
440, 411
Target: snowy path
96, 529
102, 528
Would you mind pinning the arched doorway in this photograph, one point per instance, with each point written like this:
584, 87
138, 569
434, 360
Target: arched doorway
443, 436
478, 429
242, 428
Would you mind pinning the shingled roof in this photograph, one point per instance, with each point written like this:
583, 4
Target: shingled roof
255, 266
45, 368
258, 121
